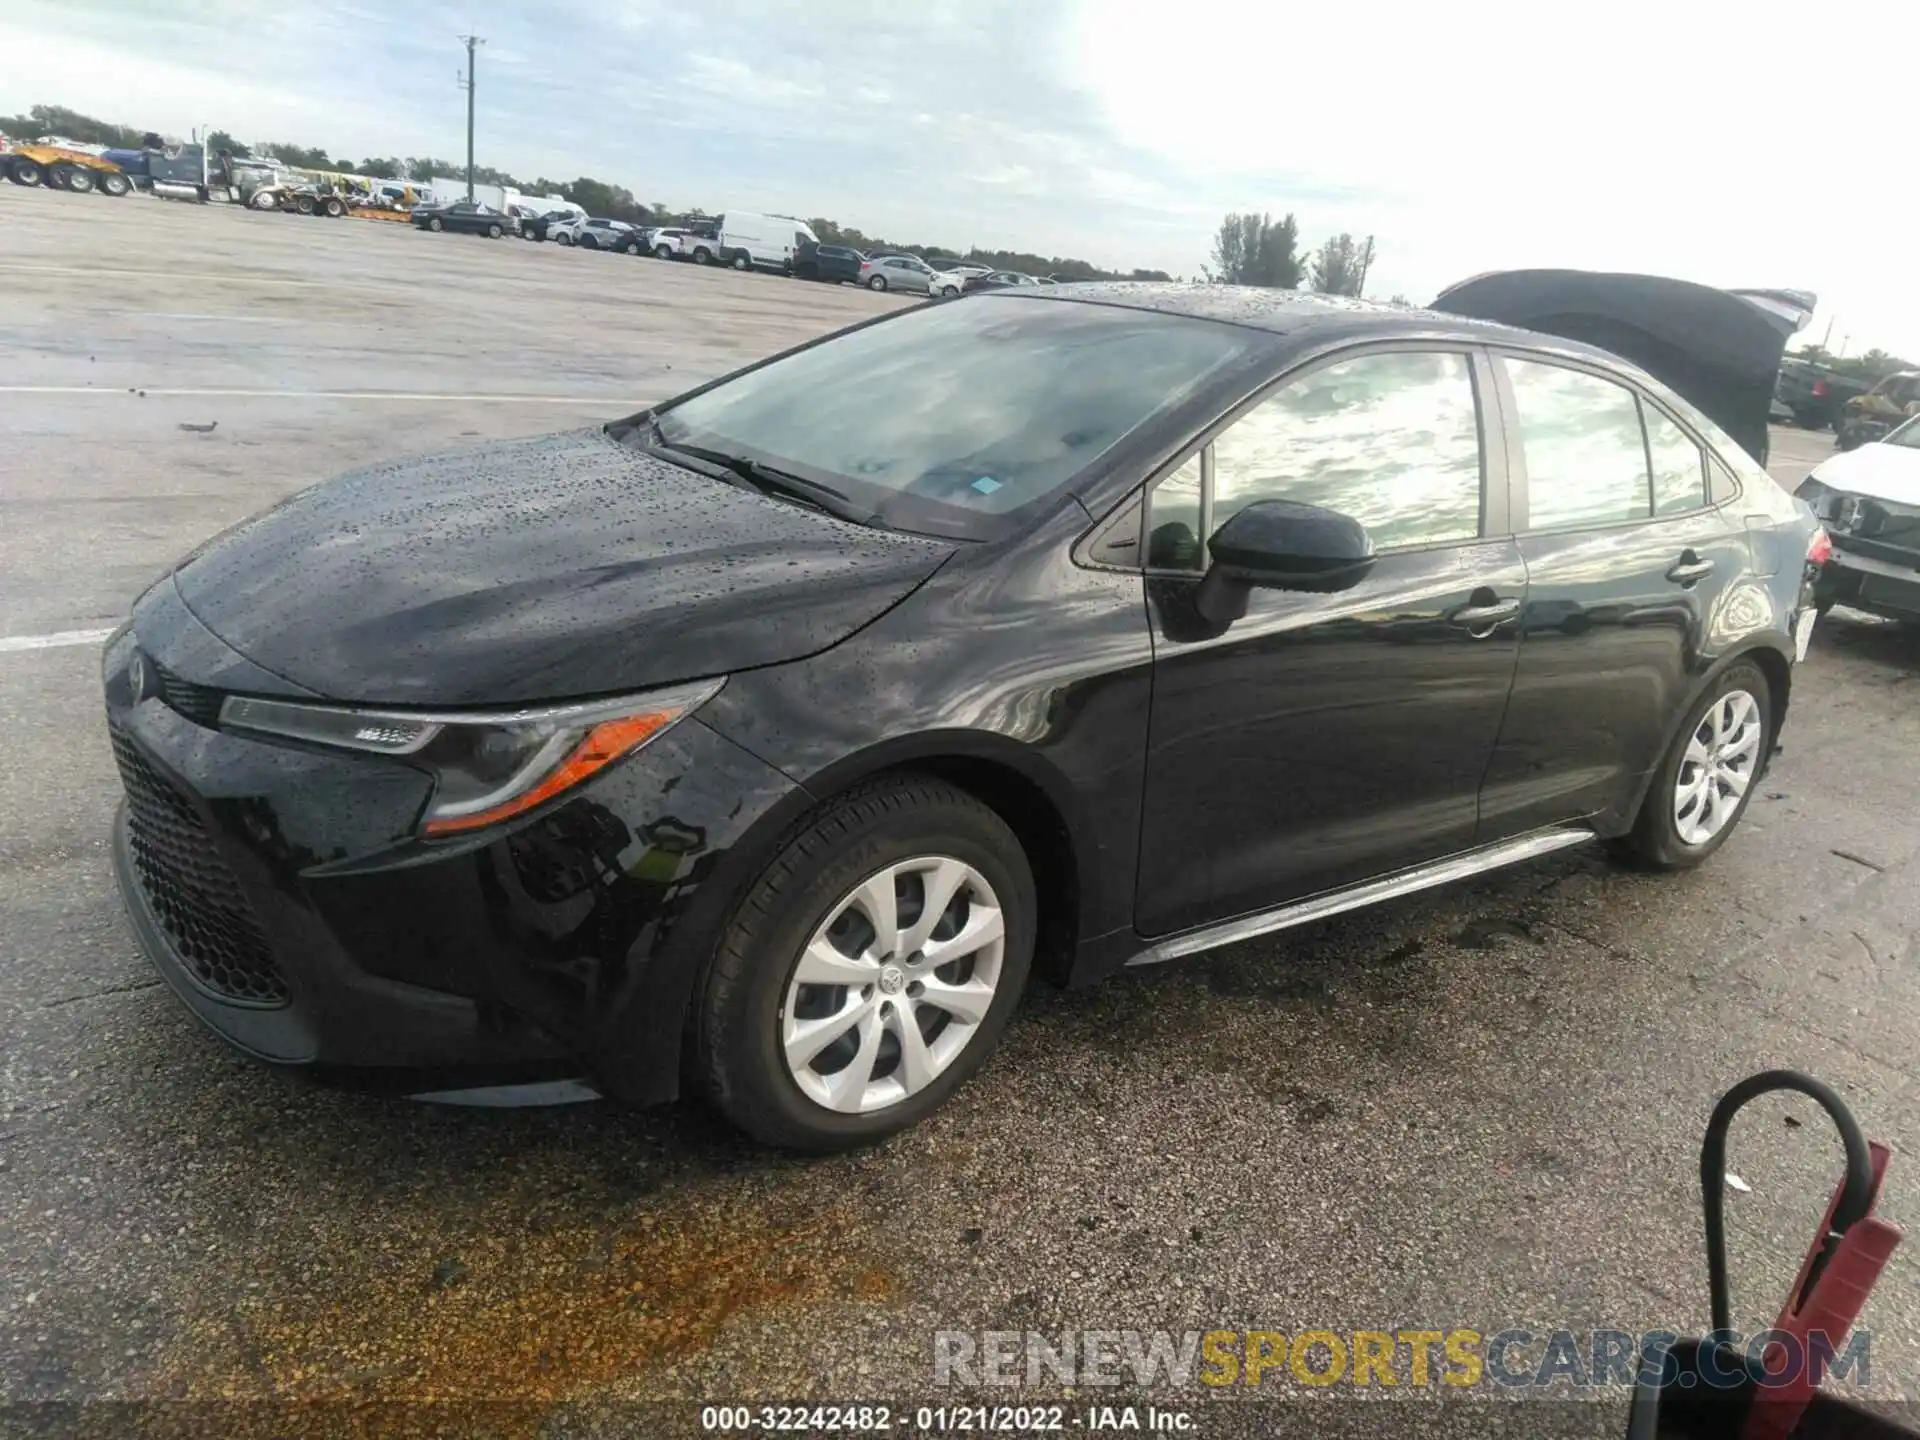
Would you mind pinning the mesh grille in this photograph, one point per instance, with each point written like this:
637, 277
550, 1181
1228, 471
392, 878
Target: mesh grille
190, 889
198, 703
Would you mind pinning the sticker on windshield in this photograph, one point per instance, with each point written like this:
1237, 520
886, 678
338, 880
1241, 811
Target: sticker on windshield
986, 485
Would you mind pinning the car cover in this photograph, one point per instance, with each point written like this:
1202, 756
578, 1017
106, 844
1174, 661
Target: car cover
1719, 349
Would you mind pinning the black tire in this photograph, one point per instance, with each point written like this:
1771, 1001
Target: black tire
434, 222
1654, 842
878, 282
742, 261
663, 252
26, 172
703, 257
848, 839
336, 207
57, 177
304, 205
116, 185
565, 237
494, 231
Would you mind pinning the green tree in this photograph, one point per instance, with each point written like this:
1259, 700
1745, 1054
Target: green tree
300, 157
70, 125
220, 140
388, 169
1340, 265
1255, 249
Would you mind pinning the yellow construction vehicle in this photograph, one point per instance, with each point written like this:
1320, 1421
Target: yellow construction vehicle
61, 167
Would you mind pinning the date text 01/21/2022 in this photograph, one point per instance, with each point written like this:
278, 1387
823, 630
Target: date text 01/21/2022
944, 1419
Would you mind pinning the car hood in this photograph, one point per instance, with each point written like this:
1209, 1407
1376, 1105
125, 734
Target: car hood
1718, 349
1878, 471
564, 566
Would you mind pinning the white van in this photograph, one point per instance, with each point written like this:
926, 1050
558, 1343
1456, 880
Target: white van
748, 241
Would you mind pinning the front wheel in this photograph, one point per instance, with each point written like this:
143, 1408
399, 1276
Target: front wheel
1706, 781
663, 252
564, 238
115, 184
436, 224
494, 232
741, 262
335, 207
703, 257
878, 282
26, 172
870, 970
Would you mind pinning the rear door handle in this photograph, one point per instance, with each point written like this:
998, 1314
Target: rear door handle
1489, 614
1689, 568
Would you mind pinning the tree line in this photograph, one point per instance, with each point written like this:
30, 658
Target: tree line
1256, 249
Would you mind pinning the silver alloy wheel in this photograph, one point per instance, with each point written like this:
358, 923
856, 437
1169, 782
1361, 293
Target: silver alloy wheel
893, 985
1720, 760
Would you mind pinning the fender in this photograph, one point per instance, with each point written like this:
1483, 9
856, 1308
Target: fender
1774, 644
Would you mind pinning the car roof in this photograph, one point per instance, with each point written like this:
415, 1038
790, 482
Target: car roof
1294, 312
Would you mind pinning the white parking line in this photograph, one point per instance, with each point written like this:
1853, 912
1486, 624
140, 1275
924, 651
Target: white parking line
621, 401
54, 641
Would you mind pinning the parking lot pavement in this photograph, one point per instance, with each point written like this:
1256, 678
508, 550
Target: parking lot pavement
1480, 1107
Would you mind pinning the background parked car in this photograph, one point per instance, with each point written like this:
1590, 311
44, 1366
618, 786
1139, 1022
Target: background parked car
833, 263
951, 278
996, 280
535, 226
665, 241
597, 232
898, 272
747, 240
474, 217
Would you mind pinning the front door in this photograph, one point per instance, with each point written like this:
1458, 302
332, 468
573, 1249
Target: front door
1630, 567
1325, 738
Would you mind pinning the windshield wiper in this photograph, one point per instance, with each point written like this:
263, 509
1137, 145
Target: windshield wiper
769, 479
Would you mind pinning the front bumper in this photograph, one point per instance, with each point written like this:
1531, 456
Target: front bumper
1870, 582
284, 896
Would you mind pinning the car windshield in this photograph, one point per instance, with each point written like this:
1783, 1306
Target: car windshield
949, 419
1907, 435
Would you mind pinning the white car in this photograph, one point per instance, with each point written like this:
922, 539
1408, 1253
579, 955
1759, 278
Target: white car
1869, 500
595, 232
949, 280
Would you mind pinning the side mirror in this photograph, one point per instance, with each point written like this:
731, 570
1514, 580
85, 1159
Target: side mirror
1281, 545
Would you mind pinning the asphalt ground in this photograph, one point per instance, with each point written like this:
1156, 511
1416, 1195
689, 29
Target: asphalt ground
1476, 1109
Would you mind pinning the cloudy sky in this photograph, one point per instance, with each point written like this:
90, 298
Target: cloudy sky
1739, 142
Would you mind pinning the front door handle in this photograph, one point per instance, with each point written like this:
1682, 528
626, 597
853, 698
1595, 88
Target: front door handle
1689, 568
1488, 614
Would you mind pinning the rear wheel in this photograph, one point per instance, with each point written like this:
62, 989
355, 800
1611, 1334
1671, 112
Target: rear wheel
703, 257
878, 282
335, 206
80, 181
493, 231
58, 176
435, 223
260, 200
870, 970
1704, 784
664, 252
114, 184
564, 237
26, 172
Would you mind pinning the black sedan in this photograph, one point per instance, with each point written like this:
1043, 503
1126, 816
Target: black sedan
765, 741
470, 216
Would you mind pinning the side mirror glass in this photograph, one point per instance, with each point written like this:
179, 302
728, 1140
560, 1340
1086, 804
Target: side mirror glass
1281, 545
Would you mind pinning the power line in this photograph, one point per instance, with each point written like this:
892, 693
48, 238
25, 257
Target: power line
467, 85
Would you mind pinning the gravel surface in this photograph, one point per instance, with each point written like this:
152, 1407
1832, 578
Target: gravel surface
1479, 1108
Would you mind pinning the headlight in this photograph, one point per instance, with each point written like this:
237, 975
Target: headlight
486, 767
1828, 503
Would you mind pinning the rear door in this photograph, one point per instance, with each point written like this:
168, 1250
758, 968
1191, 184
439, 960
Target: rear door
1629, 567
1322, 739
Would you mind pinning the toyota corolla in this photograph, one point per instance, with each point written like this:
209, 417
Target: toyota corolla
763, 743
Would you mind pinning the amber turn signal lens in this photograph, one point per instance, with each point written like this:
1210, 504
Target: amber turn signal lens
600, 747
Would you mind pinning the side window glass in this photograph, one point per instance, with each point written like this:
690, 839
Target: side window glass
1391, 440
1586, 462
1173, 520
1679, 468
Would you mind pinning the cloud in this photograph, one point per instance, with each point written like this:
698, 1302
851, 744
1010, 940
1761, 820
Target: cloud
1671, 138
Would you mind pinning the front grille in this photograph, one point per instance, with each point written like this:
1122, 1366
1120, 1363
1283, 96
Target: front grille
190, 889
198, 703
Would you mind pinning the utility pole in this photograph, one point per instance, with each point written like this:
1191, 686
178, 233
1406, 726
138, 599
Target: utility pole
466, 83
